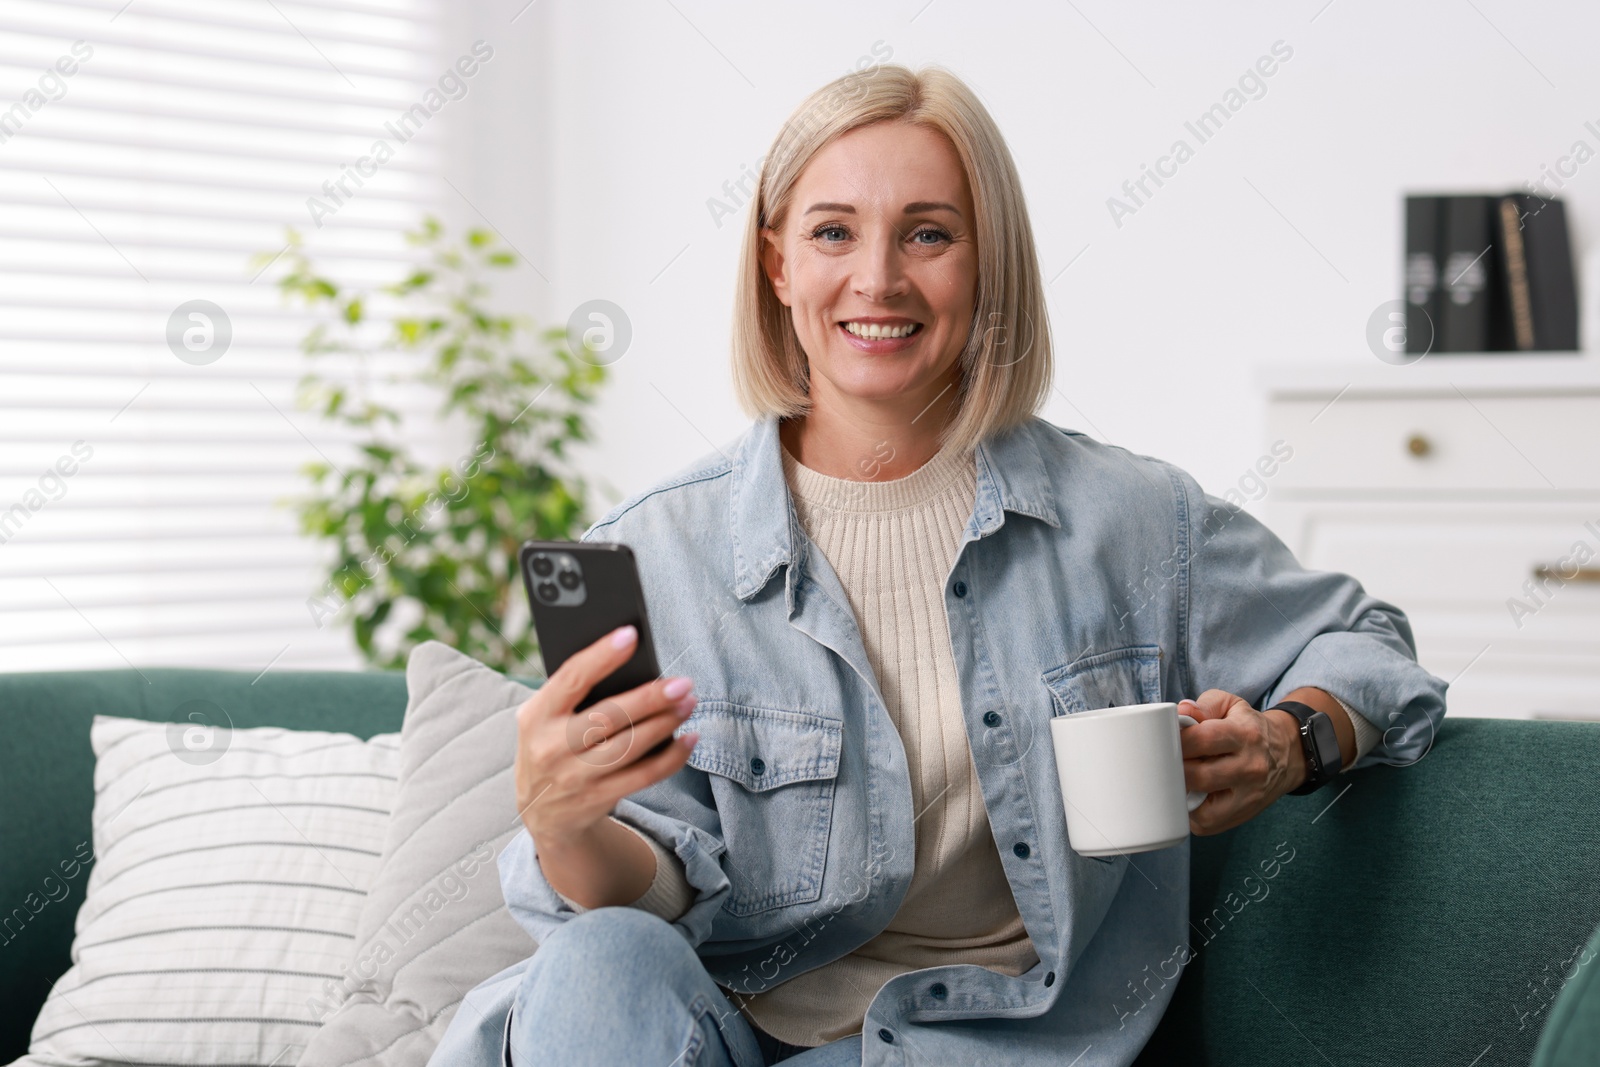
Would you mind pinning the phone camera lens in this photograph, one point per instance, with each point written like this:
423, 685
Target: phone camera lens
547, 592
569, 580
542, 566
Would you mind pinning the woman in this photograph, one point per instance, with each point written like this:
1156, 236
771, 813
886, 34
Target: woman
855, 851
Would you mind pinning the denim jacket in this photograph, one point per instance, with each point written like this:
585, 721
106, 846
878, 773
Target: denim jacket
1087, 577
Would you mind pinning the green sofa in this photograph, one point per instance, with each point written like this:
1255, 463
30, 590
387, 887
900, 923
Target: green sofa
1419, 917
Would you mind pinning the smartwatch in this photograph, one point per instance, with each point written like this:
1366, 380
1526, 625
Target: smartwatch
1318, 741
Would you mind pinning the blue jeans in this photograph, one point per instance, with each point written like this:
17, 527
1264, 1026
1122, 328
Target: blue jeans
620, 987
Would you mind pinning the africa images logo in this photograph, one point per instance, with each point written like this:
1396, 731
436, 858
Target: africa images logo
204, 734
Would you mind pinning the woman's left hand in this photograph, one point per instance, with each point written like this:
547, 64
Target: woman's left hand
1244, 758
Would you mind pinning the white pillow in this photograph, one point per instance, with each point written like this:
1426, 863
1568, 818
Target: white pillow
231, 866
435, 924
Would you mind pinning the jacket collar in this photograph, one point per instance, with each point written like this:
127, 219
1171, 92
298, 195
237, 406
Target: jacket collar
766, 531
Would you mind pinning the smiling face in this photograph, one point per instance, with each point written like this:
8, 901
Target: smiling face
877, 261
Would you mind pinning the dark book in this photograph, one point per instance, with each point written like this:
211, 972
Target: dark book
1551, 296
1470, 269
1422, 271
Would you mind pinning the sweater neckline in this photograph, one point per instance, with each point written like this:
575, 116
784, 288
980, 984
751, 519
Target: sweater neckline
818, 490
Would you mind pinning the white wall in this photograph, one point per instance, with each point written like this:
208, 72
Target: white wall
1272, 244
502, 140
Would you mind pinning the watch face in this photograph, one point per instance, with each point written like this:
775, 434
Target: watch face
1327, 742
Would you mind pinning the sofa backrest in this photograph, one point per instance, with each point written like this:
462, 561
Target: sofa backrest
47, 786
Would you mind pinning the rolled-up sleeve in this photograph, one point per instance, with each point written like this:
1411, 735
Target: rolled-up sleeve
1260, 625
676, 815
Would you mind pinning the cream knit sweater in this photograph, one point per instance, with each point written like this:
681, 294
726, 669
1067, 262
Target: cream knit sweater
892, 545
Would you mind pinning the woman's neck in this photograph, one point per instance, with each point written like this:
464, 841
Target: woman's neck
868, 442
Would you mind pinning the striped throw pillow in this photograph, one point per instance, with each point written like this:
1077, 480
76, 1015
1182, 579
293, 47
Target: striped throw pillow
230, 869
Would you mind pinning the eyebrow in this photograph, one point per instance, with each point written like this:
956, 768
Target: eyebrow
916, 207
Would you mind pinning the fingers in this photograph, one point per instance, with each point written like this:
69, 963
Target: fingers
637, 743
1217, 814
1214, 733
615, 715
610, 735
1229, 758
1212, 704
1215, 775
650, 769
566, 688
1210, 737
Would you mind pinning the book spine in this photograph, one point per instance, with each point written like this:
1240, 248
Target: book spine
1422, 271
1520, 302
1468, 261
1552, 285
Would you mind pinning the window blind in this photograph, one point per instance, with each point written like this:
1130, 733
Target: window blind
147, 150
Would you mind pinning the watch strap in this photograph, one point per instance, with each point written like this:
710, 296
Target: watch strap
1321, 763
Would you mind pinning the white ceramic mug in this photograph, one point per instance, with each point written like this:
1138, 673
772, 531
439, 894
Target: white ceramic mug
1121, 772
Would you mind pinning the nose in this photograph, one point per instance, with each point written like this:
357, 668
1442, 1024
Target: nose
879, 274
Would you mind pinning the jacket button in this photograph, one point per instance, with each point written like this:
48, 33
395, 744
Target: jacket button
757, 765
960, 589
886, 1035
938, 990
1021, 849
1050, 978
991, 718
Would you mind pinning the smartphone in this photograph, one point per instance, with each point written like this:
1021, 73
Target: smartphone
579, 591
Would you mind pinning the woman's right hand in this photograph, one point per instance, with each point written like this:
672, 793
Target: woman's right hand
571, 769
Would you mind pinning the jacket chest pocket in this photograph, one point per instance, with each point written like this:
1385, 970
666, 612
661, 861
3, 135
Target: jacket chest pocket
1112, 679
772, 775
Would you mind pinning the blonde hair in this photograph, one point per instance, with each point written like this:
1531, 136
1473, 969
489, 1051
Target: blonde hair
1001, 387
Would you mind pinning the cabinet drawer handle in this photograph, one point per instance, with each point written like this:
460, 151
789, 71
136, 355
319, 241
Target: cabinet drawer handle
1418, 445
1548, 572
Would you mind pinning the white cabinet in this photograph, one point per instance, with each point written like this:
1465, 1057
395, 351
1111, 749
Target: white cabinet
1466, 491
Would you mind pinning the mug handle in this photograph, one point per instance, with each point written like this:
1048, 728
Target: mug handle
1196, 798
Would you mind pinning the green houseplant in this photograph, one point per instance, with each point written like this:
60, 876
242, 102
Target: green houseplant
430, 550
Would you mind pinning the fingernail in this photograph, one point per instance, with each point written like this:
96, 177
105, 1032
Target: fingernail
623, 636
676, 688
686, 709
689, 739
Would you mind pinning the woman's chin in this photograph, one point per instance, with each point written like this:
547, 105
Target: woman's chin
875, 380
870, 392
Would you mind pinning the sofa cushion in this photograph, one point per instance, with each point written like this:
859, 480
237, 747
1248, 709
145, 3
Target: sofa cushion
47, 786
434, 924
229, 869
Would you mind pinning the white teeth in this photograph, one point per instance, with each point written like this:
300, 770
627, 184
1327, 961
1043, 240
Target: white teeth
875, 331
